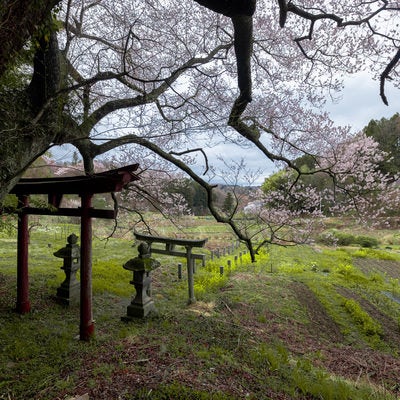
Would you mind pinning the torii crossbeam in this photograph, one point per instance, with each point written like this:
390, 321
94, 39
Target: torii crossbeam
85, 186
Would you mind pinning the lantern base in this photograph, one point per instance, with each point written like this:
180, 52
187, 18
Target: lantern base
134, 311
68, 294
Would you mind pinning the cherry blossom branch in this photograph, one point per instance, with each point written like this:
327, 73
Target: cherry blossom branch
252, 133
340, 22
199, 149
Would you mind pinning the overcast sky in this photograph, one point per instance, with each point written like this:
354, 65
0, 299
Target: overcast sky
359, 103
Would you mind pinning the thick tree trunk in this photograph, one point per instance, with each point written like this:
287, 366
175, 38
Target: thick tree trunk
19, 19
22, 138
230, 8
241, 13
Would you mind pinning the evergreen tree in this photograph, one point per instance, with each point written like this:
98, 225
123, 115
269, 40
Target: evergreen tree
228, 205
75, 158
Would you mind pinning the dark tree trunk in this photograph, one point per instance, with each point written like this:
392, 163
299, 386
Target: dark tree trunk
241, 13
230, 8
46, 78
24, 135
18, 21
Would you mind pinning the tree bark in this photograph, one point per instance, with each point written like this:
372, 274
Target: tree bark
19, 20
23, 139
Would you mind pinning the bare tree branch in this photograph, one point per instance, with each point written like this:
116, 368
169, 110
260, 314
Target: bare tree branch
199, 149
385, 75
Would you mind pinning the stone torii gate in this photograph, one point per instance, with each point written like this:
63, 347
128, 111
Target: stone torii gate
170, 250
85, 186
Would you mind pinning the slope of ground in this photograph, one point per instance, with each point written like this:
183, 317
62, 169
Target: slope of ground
262, 333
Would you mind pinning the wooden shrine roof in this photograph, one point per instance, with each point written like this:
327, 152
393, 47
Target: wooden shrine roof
103, 182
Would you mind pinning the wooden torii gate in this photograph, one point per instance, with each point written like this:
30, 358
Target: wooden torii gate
85, 186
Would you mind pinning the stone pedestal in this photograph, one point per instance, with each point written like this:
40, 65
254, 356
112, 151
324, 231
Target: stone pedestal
69, 290
142, 304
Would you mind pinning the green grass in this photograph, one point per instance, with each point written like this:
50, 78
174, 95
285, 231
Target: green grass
229, 345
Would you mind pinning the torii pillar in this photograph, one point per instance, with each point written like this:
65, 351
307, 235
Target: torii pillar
86, 327
23, 303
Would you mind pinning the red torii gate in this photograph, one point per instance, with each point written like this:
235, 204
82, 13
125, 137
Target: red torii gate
85, 186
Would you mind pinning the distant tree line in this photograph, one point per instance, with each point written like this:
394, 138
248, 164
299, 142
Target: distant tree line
387, 133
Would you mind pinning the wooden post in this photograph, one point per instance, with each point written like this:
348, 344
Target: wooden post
86, 324
190, 261
23, 304
179, 271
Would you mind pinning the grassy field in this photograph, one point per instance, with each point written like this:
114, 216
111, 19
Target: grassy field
308, 322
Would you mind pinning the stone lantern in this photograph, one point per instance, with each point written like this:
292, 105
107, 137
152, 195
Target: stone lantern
142, 304
69, 291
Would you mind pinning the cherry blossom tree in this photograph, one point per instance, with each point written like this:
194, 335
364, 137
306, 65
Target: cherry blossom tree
176, 78
359, 184
293, 206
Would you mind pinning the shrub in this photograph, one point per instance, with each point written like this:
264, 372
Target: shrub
345, 239
337, 238
366, 241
